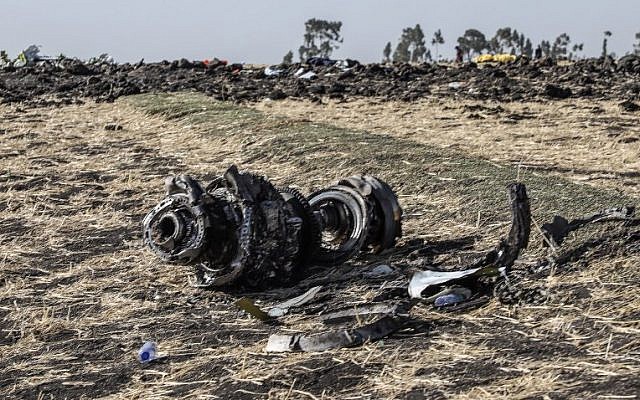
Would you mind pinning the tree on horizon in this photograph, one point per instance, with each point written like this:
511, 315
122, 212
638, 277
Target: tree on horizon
321, 38
411, 46
528, 48
437, 40
386, 53
288, 58
559, 48
472, 42
545, 45
607, 35
578, 47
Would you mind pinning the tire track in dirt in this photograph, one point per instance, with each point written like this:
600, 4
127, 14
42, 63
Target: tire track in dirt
592, 142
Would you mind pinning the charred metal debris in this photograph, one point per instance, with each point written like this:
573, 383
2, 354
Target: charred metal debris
241, 230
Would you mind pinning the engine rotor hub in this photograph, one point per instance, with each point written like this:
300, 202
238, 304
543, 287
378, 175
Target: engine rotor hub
241, 230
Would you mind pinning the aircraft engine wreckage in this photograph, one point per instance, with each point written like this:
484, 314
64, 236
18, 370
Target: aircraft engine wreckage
240, 229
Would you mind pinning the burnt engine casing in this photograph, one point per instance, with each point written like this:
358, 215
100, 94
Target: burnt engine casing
241, 230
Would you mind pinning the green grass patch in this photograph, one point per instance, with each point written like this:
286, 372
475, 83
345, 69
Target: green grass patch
312, 149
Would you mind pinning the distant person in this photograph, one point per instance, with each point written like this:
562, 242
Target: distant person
459, 55
538, 54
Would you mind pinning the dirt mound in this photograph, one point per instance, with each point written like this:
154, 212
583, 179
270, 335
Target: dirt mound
70, 80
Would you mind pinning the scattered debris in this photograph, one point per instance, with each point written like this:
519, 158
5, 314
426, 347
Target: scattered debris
521, 80
518, 239
102, 59
307, 75
495, 58
343, 338
320, 61
272, 71
280, 309
5, 61
242, 230
283, 308
28, 56
447, 289
422, 280
556, 231
495, 262
357, 312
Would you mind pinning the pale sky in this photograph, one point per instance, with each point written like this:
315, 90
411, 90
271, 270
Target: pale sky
262, 31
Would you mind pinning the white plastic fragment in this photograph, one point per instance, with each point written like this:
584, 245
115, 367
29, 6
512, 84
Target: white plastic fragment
423, 279
268, 71
343, 65
307, 75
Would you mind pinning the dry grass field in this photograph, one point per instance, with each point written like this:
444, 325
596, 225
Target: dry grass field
79, 294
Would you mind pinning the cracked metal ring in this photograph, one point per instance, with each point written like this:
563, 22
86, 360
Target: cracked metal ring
175, 230
386, 214
344, 219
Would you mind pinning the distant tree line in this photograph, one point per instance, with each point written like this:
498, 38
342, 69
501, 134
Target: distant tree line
322, 37
508, 40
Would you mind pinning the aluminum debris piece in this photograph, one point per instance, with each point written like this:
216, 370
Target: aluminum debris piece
308, 75
272, 71
496, 261
337, 339
283, 308
359, 311
422, 280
